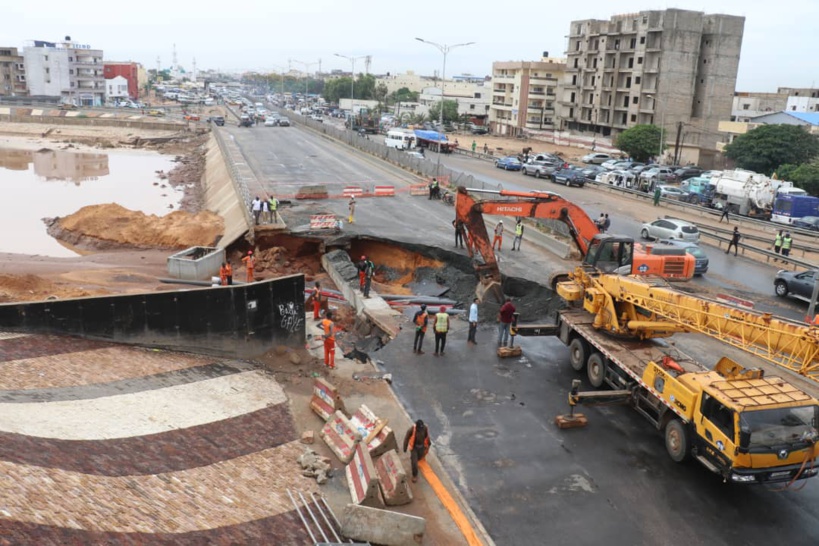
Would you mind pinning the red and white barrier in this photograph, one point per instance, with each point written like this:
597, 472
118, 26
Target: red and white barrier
352, 191
384, 191
363, 479
364, 421
339, 436
392, 478
326, 400
419, 189
733, 300
323, 221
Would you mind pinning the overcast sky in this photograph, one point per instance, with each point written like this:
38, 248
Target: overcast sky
777, 49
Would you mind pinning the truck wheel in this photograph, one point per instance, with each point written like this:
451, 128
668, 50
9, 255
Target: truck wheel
596, 370
578, 353
677, 441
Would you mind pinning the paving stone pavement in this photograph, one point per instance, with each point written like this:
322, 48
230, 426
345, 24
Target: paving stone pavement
108, 444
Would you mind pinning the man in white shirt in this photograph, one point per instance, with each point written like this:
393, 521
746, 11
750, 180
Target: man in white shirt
256, 208
473, 322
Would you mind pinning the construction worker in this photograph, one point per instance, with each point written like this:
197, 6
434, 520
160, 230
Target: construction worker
329, 328
250, 264
735, 237
361, 274
441, 329
420, 320
229, 273
223, 274
518, 234
316, 296
505, 317
787, 242
369, 271
498, 235
417, 440
777, 246
459, 232
351, 206
273, 204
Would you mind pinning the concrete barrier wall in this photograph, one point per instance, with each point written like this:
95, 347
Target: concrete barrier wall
239, 321
222, 195
97, 122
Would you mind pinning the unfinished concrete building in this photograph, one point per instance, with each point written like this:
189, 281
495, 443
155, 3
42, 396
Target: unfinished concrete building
12, 73
674, 68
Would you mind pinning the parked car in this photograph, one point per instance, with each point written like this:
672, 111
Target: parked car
68, 106
540, 169
700, 257
284, 122
592, 171
317, 117
807, 222
419, 155
670, 228
658, 174
551, 158
271, 121
192, 117
684, 173
673, 192
245, 121
637, 168
217, 120
798, 285
596, 158
479, 130
619, 164
509, 163
569, 177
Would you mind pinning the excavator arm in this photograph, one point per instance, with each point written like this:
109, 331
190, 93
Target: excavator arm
518, 204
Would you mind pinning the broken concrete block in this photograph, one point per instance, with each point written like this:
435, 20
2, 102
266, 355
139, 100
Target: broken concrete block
295, 359
382, 526
505, 352
308, 437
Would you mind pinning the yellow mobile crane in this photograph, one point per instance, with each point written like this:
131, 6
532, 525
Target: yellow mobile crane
744, 426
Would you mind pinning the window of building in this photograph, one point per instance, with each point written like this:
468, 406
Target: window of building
72, 84
575, 62
746, 106
631, 62
617, 43
477, 95
705, 61
45, 57
577, 45
628, 82
48, 70
592, 81
594, 63
574, 79
625, 101
624, 119
471, 106
633, 43
633, 100
642, 39
637, 80
633, 117
639, 60
71, 59
571, 112
571, 97
793, 107
71, 71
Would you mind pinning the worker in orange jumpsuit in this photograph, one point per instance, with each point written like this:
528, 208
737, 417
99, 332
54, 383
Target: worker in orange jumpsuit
329, 340
223, 274
317, 301
250, 263
362, 276
498, 235
229, 272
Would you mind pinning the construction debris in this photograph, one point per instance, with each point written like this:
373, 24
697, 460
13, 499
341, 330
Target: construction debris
315, 466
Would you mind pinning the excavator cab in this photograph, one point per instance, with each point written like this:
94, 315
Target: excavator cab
610, 254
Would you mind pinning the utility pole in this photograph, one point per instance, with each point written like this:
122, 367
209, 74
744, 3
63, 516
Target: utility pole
677, 143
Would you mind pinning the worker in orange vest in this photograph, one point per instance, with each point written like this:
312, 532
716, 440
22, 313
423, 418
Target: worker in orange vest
329, 340
317, 301
417, 439
250, 263
223, 274
498, 235
229, 273
420, 320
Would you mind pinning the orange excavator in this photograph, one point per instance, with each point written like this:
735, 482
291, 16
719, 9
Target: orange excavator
604, 252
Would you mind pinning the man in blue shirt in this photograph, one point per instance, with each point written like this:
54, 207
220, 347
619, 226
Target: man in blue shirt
473, 321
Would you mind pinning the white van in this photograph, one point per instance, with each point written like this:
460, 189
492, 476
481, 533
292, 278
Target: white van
401, 139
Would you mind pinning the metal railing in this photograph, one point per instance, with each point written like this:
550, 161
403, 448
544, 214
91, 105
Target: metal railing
768, 254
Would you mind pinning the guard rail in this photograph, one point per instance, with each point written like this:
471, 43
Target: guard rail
769, 255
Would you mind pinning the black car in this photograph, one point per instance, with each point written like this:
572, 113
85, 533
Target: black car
217, 120
791, 283
245, 121
807, 222
479, 130
570, 177
684, 173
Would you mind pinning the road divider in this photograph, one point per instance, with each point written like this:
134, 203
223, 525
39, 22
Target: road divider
326, 400
363, 479
323, 221
392, 478
384, 191
352, 191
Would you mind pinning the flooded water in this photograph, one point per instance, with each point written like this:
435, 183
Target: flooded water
44, 184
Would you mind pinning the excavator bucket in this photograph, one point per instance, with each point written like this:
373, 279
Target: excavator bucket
489, 290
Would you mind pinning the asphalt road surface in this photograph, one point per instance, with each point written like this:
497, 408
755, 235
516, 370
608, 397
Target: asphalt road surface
492, 419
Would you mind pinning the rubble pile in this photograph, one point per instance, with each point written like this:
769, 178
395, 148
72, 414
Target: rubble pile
315, 466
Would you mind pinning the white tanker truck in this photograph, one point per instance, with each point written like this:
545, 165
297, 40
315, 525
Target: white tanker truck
748, 193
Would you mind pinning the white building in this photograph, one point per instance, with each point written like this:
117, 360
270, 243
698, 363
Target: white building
473, 99
71, 71
116, 88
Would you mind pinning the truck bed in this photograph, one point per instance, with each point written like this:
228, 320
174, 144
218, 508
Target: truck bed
631, 356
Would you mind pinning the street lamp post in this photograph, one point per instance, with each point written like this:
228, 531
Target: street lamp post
306, 75
352, 78
444, 49
281, 70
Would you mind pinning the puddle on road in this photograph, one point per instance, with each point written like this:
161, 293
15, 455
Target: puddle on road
44, 184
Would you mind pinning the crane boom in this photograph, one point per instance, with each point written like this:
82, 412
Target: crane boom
641, 308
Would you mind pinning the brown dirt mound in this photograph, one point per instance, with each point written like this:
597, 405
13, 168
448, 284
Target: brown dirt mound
111, 225
34, 288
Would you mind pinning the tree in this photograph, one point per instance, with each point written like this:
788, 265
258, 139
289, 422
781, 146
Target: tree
450, 111
404, 95
768, 146
805, 176
641, 142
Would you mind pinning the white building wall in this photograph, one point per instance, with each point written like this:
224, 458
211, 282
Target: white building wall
802, 104
116, 88
47, 71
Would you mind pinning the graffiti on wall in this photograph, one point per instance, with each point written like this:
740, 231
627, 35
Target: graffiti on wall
291, 318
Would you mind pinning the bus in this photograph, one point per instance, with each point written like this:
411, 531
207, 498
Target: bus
401, 139
791, 206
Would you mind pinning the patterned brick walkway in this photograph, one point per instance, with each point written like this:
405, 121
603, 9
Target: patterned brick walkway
107, 444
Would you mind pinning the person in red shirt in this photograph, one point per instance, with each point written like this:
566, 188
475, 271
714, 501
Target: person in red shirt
505, 315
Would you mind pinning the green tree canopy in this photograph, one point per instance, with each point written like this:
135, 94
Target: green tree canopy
767, 147
805, 176
450, 111
641, 142
404, 95
339, 88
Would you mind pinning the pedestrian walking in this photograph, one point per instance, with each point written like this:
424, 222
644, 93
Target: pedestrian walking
498, 235
265, 211
316, 296
657, 194
441, 329
725, 215
485, 148
369, 271
735, 237
787, 242
474, 146
250, 265
417, 440
600, 221
229, 273
223, 274
420, 320
777, 246
329, 328
273, 205
362, 276
606, 223
505, 316
256, 208
351, 207
459, 232
473, 322
518, 234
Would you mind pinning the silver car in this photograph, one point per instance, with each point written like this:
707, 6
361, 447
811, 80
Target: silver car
670, 228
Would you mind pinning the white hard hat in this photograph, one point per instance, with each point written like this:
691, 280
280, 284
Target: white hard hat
500, 221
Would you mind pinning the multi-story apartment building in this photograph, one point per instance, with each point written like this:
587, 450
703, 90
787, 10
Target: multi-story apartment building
674, 68
525, 94
129, 71
12, 73
472, 98
71, 71
747, 105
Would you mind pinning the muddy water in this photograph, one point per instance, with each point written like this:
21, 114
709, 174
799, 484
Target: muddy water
43, 184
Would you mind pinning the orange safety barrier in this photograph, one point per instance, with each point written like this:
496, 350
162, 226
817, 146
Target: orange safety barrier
363, 479
419, 189
323, 221
384, 191
392, 478
352, 191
